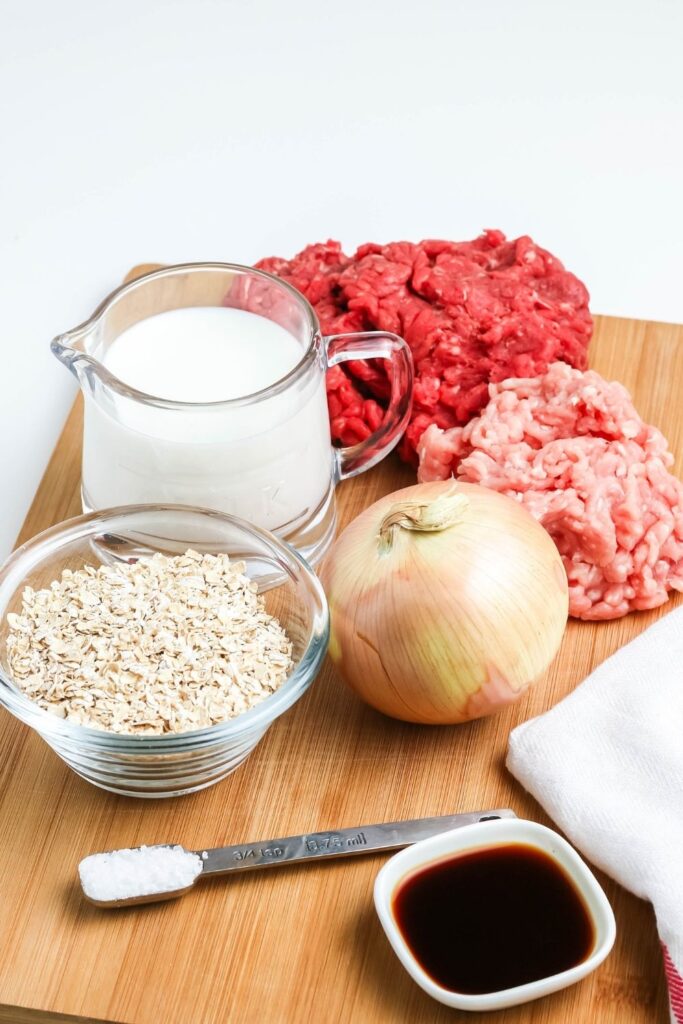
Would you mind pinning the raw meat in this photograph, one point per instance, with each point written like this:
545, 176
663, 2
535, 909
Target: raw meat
571, 447
472, 313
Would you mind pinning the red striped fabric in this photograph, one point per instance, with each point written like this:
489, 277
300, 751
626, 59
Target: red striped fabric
675, 983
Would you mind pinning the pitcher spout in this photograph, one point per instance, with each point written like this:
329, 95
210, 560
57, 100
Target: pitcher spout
71, 350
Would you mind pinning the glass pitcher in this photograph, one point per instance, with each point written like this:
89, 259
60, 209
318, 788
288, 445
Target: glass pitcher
266, 457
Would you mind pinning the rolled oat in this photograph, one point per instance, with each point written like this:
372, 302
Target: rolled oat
164, 645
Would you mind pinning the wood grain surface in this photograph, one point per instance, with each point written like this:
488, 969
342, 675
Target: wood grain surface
295, 944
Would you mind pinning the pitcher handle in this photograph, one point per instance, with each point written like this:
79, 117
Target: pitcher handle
357, 458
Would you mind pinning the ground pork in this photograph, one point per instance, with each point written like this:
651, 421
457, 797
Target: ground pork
472, 313
571, 447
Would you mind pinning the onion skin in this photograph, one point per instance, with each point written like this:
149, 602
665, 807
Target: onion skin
445, 626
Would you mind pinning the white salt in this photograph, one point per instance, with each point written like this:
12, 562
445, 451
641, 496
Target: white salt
124, 874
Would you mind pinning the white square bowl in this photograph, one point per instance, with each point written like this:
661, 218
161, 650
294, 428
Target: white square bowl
482, 835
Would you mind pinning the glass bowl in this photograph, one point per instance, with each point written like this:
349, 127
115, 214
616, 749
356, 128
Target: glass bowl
173, 763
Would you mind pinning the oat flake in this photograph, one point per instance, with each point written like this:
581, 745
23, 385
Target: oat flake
160, 646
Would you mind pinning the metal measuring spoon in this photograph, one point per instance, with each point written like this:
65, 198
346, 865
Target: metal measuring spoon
345, 842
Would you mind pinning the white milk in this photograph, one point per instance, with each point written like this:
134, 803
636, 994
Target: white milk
203, 354
269, 462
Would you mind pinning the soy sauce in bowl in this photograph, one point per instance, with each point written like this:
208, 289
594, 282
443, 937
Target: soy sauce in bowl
493, 918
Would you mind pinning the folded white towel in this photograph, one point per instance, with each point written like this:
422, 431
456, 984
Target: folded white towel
607, 765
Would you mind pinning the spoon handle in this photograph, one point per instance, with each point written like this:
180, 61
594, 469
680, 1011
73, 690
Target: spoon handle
343, 842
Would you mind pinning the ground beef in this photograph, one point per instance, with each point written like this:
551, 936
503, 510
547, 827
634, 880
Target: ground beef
571, 447
472, 313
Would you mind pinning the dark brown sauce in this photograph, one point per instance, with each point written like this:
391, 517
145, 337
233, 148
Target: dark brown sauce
493, 919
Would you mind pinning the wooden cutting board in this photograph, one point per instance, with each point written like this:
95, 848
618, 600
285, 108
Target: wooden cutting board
296, 944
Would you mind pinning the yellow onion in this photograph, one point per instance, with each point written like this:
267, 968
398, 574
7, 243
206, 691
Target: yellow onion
447, 600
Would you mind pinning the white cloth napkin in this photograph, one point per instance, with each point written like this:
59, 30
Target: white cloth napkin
607, 765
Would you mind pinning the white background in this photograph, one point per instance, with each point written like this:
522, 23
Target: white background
144, 130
